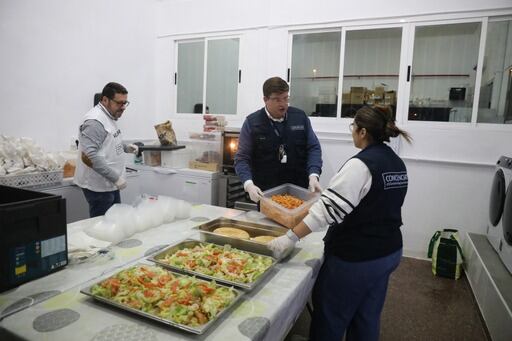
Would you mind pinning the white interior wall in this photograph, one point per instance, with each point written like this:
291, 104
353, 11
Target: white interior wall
450, 166
56, 54
54, 63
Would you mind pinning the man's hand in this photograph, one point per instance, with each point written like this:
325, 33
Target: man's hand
254, 191
281, 244
133, 148
314, 185
121, 183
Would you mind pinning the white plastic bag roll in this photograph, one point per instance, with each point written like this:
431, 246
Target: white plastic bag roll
107, 231
183, 209
124, 217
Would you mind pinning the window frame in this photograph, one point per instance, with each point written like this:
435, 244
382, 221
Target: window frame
408, 26
205, 39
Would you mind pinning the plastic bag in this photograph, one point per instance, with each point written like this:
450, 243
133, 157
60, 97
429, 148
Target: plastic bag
446, 253
166, 134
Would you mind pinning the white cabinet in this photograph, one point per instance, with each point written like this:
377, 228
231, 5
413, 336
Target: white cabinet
197, 186
193, 185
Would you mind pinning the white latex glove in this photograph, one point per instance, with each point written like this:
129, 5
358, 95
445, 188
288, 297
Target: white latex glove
121, 183
280, 245
254, 191
133, 148
314, 185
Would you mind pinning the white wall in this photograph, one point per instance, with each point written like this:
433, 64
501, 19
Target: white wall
450, 166
56, 54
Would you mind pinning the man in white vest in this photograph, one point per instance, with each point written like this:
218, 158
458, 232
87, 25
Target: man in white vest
100, 169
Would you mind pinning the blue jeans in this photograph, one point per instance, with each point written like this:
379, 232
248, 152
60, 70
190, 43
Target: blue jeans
100, 202
349, 296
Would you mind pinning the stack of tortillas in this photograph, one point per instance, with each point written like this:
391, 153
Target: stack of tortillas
232, 232
263, 239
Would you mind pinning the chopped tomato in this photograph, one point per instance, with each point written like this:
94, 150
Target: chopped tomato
168, 302
206, 289
148, 273
201, 317
174, 286
134, 304
164, 279
186, 300
113, 284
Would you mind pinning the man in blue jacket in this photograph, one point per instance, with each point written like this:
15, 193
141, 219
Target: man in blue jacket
277, 145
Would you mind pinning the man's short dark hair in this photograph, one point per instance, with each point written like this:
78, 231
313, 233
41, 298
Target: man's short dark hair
111, 89
275, 85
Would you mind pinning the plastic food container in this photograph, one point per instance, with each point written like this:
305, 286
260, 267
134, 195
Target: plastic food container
282, 215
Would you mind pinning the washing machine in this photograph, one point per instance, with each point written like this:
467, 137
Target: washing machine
505, 247
497, 202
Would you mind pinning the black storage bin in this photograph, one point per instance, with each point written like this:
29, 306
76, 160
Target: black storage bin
33, 239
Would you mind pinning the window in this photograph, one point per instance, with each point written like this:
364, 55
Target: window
315, 72
443, 72
214, 82
371, 68
494, 105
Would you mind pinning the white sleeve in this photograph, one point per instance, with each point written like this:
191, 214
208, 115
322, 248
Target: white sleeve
346, 190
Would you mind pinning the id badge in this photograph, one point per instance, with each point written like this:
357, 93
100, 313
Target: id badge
282, 154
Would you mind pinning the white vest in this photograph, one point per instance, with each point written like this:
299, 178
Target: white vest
111, 150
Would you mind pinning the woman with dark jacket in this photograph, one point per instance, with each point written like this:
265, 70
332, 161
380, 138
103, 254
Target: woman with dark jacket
363, 244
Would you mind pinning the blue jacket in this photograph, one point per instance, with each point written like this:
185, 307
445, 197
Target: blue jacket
258, 159
372, 229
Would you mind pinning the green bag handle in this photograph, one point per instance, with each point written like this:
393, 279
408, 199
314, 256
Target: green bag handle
433, 240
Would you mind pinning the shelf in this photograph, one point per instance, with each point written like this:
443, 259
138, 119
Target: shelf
442, 75
386, 76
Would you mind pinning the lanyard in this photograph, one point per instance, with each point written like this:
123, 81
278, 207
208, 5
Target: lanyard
282, 136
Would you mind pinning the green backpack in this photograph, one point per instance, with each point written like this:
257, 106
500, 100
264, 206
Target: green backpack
446, 253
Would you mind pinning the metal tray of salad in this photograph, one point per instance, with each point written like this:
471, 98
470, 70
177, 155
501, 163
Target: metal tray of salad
175, 299
222, 263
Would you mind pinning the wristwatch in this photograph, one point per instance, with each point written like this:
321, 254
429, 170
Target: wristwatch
292, 235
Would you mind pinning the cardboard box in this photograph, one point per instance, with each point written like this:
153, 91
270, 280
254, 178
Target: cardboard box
206, 166
379, 92
390, 98
357, 98
152, 157
357, 94
357, 89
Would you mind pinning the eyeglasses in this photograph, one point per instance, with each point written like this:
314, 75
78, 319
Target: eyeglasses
125, 103
280, 100
351, 126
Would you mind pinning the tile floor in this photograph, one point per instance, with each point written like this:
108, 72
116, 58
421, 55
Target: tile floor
420, 306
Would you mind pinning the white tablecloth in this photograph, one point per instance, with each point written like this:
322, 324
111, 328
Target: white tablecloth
52, 308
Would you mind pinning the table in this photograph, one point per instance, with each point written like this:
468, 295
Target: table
52, 308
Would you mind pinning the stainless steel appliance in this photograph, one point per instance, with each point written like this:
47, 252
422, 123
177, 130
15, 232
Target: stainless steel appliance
231, 189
